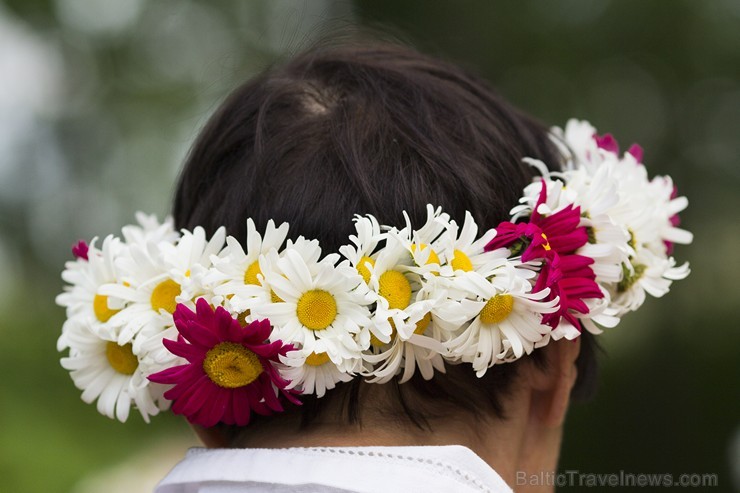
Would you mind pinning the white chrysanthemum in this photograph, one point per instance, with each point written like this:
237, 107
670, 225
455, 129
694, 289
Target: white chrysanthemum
150, 230
393, 286
505, 318
406, 351
649, 273
449, 293
404, 356
392, 351
665, 205
422, 244
608, 242
578, 146
645, 207
420, 342
155, 278
236, 274
315, 372
361, 253
254, 295
462, 251
636, 207
82, 298
309, 250
644, 211
111, 373
315, 302
390, 278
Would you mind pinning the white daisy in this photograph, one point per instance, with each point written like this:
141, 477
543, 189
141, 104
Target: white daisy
505, 318
315, 372
155, 278
579, 148
309, 250
236, 274
636, 208
644, 207
315, 302
422, 243
449, 293
112, 373
362, 252
665, 205
649, 273
82, 298
462, 251
406, 351
150, 230
608, 242
394, 286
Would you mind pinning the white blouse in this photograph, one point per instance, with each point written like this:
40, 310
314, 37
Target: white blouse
433, 469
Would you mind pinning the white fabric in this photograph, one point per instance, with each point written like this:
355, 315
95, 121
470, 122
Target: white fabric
438, 469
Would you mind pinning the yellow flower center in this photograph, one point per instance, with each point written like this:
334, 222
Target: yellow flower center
362, 268
394, 287
422, 324
250, 275
546, 245
629, 279
316, 309
231, 365
163, 296
242, 318
100, 307
432, 259
314, 359
121, 358
460, 261
497, 309
633, 240
591, 234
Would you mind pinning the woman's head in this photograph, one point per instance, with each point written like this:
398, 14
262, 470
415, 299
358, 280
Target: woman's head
367, 128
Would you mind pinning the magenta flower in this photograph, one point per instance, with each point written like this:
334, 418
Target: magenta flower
558, 232
610, 144
554, 239
607, 142
571, 279
230, 371
80, 249
636, 151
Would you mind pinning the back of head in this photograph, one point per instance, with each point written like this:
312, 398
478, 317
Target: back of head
367, 128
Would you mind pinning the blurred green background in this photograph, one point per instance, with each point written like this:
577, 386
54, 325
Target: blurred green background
99, 101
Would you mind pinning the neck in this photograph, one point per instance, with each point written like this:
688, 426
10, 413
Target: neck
518, 444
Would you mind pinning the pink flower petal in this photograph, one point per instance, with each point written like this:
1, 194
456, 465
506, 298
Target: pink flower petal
194, 395
216, 408
636, 151
607, 142
80, 250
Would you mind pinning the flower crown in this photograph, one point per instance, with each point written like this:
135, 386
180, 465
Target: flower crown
220, 331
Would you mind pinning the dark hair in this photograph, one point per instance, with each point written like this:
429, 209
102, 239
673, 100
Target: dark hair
368, 128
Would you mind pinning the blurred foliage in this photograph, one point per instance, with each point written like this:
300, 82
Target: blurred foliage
99, 102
